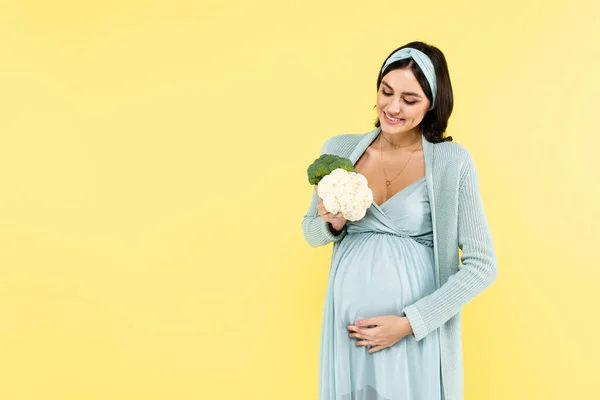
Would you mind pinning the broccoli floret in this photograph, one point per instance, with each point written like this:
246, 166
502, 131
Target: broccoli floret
326, 163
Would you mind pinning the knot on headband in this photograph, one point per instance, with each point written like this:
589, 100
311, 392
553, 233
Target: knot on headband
423, 61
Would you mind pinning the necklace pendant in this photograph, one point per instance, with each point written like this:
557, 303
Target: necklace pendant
395, 146
387, 183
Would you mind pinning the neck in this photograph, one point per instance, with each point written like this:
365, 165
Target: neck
402, 139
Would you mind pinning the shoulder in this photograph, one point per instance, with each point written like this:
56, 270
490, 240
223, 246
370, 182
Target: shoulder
453, 154
342, 143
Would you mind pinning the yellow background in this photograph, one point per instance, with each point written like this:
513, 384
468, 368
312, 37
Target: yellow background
153, 163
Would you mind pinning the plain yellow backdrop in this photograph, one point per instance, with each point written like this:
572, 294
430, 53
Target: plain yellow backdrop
153, 163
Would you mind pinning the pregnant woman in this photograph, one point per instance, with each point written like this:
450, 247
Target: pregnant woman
391, 323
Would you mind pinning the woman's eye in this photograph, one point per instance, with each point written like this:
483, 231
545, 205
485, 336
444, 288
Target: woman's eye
387, 94
409, 102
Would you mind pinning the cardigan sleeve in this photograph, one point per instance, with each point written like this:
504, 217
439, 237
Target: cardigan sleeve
317, 232
479, 265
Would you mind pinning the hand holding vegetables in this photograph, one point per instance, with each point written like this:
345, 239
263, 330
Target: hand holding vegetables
340, 187
337, 222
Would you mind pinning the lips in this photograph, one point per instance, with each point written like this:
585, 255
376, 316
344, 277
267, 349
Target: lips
391, 121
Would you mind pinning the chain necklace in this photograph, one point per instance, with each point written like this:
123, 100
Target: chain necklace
397, 146
388, 182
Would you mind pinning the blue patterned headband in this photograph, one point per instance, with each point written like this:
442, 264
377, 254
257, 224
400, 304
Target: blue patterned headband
422, 61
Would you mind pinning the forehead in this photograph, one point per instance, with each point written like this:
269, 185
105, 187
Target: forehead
402, 80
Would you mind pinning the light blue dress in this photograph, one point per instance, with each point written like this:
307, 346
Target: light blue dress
384, 264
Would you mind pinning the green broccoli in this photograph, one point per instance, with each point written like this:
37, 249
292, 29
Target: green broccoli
325, 164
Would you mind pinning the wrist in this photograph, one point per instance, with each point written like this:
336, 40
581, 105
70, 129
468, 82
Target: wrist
334, 231
408, 326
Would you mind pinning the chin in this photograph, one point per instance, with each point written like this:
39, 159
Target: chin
392, 129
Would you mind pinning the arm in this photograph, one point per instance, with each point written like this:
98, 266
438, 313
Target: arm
479, 267
318, 232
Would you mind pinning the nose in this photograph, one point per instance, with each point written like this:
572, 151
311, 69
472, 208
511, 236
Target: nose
394, 106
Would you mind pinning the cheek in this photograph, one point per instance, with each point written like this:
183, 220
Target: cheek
417, 113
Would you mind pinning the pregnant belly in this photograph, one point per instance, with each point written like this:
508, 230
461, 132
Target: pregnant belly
379, 275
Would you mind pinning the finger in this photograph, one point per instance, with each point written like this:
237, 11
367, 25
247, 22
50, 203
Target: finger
360, 329
362, 332
323, 213
366, 343
334, 217
368, 321
322, 210
370, 329
376, 349
360, 337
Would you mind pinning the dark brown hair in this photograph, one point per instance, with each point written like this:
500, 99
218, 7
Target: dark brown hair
435, 121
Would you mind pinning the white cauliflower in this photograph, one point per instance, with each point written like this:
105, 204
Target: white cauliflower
345, 192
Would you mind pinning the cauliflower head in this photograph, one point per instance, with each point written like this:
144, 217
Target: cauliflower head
345, 192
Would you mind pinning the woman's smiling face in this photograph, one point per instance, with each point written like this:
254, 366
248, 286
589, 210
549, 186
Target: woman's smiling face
401, 102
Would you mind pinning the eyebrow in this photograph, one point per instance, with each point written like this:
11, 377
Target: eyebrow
406, 93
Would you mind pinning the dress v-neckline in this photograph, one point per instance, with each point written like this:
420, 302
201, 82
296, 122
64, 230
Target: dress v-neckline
370, 142
399, 192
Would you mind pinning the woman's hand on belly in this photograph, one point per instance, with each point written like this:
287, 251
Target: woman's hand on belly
388, 330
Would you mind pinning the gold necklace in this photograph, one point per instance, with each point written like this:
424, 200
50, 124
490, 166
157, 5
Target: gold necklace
387, 181
396, 146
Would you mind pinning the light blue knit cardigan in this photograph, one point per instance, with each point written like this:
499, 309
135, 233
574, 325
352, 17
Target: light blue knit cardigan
459, 221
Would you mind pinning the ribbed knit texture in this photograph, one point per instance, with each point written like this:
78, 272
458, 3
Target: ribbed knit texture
459, 221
